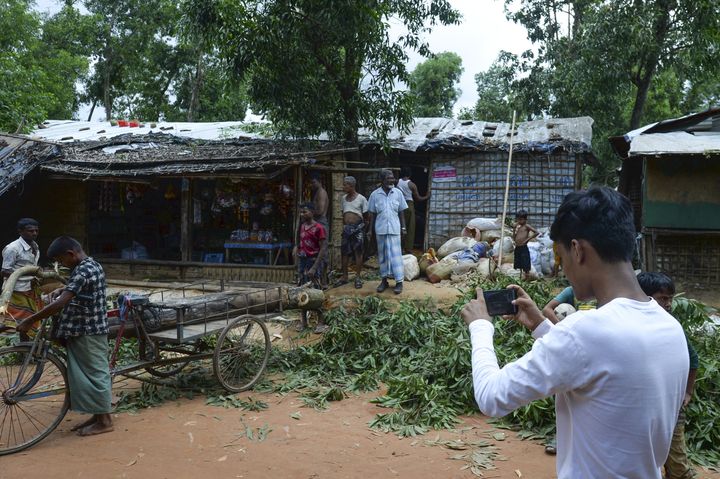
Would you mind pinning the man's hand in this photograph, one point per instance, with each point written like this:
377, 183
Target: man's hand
686, 400
475, 309
528, 313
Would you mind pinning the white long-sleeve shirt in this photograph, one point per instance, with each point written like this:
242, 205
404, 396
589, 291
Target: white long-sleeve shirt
618, 374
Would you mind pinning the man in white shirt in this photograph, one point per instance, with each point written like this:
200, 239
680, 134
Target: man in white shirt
385, 208
23, 251
618, 373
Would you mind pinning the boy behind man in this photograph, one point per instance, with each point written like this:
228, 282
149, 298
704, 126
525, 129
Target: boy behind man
661, 288
522, 233
83, 326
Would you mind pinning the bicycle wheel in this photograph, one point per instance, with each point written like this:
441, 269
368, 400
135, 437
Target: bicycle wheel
241, 353
37, 403
181, 360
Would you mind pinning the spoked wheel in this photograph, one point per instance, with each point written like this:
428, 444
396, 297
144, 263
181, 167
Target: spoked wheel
33, 406
241, 353
180, 360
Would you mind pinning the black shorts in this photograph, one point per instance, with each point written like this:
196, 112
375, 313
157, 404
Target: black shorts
522, 258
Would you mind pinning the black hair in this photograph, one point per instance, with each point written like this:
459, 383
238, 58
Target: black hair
652, 283
25, 222
307, 205
521, 214
63, 244
601, 216
315, 176
405, 171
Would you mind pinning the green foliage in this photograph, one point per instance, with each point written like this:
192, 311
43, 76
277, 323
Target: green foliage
38, 66
624, 63
232, 401
702, 432
433, 85
421, 354
317, 67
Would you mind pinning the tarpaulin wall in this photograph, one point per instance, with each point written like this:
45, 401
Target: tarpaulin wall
473, 185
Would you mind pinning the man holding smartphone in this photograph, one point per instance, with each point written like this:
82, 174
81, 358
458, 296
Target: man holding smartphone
618, 373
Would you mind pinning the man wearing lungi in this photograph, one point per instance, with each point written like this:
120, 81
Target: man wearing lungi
83, 327
354, 209
24, 251
385, 209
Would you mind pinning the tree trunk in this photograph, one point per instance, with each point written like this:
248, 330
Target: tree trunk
195, 95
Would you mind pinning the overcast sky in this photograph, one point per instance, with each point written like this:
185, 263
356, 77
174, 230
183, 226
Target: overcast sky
484, 31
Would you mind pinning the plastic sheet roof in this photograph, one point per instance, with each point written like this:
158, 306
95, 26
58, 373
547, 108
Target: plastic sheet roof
547, 135
71, 131
426, 134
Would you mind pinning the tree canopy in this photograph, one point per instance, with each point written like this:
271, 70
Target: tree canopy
321, 67
625, 63
39, 65
433, 85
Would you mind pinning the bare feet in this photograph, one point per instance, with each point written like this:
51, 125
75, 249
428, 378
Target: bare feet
96, 428
100, 424
89, 422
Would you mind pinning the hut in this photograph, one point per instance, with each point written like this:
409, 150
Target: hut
671, 173
463, 164
182, 200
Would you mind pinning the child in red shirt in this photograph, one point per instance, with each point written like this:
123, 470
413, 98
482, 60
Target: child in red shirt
309, 253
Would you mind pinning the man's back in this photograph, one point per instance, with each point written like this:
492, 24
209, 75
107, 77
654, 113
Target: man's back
613, 422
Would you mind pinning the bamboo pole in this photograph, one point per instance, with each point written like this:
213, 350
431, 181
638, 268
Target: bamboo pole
507, 192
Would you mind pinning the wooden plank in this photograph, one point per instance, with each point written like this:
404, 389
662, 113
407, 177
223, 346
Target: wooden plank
191, 301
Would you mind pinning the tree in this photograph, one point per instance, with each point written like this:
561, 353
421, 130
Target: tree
500, 92
625, 63
37, 66
316, 67
433, 85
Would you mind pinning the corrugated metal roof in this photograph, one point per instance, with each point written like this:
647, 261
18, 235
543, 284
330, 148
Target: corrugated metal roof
430, 134
70, 131
696, 134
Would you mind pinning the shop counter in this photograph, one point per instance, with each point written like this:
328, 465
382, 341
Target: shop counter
280, 247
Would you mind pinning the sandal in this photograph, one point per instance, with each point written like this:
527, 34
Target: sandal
321, 328
358, 283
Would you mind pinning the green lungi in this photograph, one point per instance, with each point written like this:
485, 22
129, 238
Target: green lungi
89, 374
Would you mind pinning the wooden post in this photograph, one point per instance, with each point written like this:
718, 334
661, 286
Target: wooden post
507, 191
185, 220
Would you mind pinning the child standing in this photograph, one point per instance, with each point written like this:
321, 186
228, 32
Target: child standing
677, 466
309, 254
522, 233
84, 328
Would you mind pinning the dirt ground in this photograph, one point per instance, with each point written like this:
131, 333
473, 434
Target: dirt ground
187, 438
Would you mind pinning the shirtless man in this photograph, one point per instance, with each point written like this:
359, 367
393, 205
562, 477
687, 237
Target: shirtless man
354, 208
522, 233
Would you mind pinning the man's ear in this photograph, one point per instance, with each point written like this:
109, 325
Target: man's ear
578, 251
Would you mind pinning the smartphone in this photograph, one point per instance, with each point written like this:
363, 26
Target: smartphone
499, 301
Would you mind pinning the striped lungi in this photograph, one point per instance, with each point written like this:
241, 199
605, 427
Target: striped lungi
390, 257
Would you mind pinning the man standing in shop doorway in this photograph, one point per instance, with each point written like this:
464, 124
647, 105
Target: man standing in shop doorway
320, 201
385, 208
411, 195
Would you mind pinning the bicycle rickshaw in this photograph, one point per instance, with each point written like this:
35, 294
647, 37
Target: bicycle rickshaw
172, 329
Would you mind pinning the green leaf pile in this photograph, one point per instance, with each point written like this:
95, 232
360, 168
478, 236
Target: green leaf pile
419, 356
